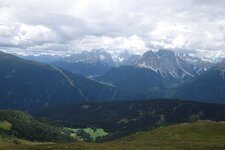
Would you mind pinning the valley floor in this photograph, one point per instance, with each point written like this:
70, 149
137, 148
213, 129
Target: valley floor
201, 135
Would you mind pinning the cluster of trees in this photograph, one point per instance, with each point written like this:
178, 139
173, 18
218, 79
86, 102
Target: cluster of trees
123, 118
26, 127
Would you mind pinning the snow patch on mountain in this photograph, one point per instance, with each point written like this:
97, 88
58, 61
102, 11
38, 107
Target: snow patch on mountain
169, 64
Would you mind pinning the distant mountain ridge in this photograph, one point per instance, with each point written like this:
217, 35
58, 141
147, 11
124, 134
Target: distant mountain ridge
27, 84
164, 62
42, 58
93, 63
96, 62
168, 64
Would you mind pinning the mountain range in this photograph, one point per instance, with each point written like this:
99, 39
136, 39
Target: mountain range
96, 62
161, 74
42, 58
93, 63
27, 84
169, 65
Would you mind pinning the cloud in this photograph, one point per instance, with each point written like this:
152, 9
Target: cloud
132, 43
67, 26
19, 34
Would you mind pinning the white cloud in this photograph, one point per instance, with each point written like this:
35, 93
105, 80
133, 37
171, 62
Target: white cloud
19, 34
136, 25
132, 43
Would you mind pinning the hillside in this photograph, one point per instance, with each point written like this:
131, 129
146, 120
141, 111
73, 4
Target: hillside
201, 135
198, 135
22, 125
138, 80
208, 87
84, 69
122, 118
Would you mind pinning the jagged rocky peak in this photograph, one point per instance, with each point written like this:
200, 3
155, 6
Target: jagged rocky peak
188, 58
131, 60
165, 63
166, 53
94, 56
121, 56
168, 58
223, 61
199, 66
101, 55
221, 65
149, 53
148, 60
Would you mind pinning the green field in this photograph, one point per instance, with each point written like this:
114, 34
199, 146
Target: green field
5, 125
92, 133
201, 135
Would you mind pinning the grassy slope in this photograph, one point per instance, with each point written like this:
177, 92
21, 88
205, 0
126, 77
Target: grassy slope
201, 135
22, 125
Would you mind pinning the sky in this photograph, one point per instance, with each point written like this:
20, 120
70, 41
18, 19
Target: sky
69, 26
